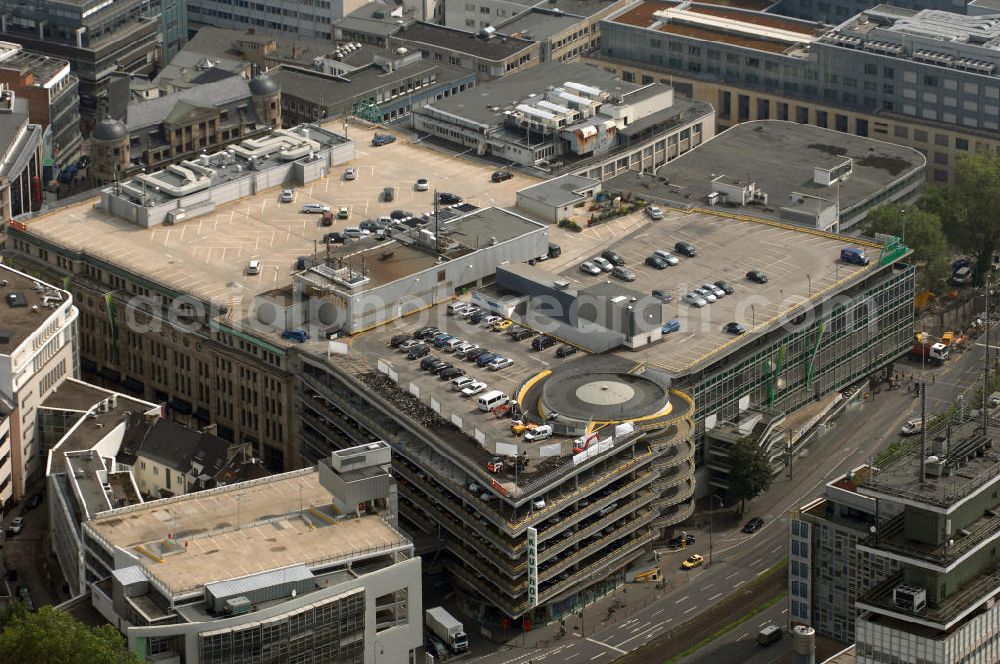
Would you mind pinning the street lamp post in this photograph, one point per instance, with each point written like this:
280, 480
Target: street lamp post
711, 519
902, 222
753, 315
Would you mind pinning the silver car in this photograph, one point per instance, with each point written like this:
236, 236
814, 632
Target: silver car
694, 299
589, 268
712, 288
708, 295
602, 263
623, 273
667, 256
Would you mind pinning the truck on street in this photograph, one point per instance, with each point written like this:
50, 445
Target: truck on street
447, 628
925, 347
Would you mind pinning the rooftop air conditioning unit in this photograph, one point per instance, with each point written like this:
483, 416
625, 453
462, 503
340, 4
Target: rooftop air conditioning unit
911, 598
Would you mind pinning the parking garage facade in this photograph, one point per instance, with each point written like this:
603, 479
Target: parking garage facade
600, 513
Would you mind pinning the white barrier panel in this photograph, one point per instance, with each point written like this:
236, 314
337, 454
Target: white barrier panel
456, 420
623, 429
336, 348
579, 458
506, 449
550, 450
383, 366
435, 405
394, 376
480, 437
414, 389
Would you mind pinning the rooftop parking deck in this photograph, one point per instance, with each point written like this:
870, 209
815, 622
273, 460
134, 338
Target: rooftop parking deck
207, 256
800, 264
241, 530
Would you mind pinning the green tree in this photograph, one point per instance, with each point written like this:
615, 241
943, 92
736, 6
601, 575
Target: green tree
970, 209
749, 472
54, 636
923, 233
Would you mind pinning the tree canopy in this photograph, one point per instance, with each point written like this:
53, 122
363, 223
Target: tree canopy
51, 635
749, 473
970, 209
922, 231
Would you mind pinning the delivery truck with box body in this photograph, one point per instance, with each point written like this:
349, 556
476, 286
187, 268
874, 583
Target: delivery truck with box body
447, 628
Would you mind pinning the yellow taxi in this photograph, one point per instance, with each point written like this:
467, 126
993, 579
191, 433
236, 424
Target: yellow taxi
693, 561
502, 325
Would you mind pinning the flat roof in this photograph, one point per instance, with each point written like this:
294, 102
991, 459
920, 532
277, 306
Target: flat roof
272, 532
390, 260
19, 322
539, 24
779, 156
439, 36
799, 263
42, 67
504, 93
899, 475
206, 257
316, 86
560, 190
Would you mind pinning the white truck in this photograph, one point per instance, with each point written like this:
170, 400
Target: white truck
444, 625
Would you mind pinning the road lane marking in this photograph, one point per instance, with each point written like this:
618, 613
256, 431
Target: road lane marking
708, 586
656, 614
782, 546
732, 575
571, 656
607, 645
756, 562
682, 599
690, 610
597, 656
714, 597
737, 585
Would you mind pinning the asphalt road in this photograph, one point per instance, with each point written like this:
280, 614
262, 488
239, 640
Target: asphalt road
738, 558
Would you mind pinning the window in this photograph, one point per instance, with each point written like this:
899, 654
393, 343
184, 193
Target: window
961, 144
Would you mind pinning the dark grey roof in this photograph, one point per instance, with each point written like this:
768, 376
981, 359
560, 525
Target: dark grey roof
558, 191
438, 36
538, 24
180, 448
364, 21
779, 156
264, 85
477, 103
316, 87
211, 75
109, 130
154, 111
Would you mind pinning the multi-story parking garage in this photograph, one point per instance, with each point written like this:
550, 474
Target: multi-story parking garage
552, 534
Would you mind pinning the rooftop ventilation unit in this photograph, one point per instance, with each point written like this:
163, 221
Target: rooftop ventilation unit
911, 598
16, 299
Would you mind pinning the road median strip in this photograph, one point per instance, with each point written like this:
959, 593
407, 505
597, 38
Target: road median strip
764, 591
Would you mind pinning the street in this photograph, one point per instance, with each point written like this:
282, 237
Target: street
28, 554
645, 613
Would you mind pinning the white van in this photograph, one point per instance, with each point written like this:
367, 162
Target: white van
492, 399
462, 382
452, 345
315, 208
539, 433
253, 267
457, 307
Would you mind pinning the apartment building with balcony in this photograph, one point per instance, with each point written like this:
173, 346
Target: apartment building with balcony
936, 517
925, 79
53, 97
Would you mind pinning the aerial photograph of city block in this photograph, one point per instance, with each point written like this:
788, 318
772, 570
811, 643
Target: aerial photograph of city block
499, 332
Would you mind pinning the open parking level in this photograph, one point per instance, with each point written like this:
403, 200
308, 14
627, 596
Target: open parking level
207, 256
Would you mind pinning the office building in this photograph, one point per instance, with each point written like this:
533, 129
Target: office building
787, 172
305, 566
21, 168
827, 572
923, 79
98, 39
936, 518
38, 338
53, 97
387, 90
570, 118
308, 21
